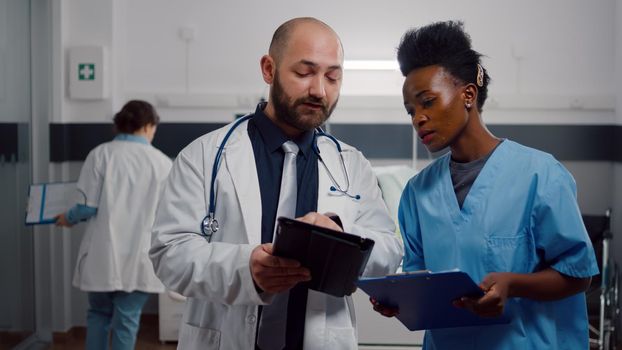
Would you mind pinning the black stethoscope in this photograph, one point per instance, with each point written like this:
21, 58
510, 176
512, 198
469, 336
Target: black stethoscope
209, 225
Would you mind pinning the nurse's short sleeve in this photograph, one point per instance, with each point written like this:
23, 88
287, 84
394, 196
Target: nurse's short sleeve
91, 179
410, 229
558, 227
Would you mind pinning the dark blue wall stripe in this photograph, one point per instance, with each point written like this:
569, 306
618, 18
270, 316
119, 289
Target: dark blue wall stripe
72, 142
617, 144
9, 141
173, 137
565, 142
377, 140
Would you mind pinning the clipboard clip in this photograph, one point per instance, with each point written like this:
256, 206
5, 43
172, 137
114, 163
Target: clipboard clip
418, 272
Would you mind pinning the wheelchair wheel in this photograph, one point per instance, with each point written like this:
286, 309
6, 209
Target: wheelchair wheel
612, 309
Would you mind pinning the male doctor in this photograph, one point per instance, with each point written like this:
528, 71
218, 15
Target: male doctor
240, 296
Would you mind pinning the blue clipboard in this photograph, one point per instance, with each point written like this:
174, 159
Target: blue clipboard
424, 299
46, 200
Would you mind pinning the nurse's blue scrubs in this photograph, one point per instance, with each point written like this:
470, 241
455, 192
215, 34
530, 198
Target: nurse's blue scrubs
520, 215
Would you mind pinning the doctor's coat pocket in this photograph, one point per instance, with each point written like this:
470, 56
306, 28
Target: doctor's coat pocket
509, 252
193, 337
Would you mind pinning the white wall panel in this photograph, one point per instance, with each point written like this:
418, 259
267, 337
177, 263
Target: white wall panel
14, 62
533, 48
618, 167
84, 23
3, 64
618, 61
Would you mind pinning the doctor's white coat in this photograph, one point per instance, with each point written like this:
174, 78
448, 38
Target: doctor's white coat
123, 180
221, 312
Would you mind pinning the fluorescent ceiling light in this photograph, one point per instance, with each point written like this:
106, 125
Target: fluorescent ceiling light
370, 65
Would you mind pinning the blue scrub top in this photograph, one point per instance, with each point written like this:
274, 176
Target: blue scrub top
521, 215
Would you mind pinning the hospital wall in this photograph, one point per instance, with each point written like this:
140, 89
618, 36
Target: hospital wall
617, 185
549, 73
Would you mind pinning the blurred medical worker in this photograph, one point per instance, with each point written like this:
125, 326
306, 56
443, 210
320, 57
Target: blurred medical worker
504, 213
120, 181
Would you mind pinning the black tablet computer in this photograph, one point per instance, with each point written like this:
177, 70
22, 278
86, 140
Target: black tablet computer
336, 259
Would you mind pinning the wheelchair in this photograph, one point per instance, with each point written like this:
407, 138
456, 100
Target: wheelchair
602, 295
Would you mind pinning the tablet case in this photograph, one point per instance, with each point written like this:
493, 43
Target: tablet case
336, 259
424, 299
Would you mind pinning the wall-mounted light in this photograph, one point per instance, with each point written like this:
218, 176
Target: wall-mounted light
370, 65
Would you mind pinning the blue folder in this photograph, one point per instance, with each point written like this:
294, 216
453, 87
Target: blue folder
47, 200
424, 299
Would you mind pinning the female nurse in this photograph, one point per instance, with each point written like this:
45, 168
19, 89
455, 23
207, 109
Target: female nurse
120, 182
504, 213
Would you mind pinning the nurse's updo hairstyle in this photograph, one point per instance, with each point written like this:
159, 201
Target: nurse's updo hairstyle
447, 45
135, 115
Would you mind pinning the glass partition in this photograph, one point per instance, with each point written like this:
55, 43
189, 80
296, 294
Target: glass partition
17, 303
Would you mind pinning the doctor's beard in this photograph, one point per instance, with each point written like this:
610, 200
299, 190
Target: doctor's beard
287, 111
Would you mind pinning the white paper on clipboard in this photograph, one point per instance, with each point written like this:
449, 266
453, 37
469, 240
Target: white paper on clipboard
47, 200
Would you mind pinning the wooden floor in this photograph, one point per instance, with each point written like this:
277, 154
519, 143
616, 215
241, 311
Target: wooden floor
8, 340
147, 337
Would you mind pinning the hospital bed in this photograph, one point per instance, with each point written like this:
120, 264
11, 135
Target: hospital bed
376, 332
170, 312
602, 295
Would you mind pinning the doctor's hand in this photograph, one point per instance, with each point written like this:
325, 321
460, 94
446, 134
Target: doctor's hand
496, 285
273, 274
61, 220
323, 220
384, 310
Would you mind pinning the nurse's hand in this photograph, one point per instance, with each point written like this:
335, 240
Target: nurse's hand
383, 309
273, 274
318, 219
61, 220
496, 285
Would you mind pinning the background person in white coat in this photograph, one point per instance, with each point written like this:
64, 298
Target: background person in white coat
232, 279
121, 182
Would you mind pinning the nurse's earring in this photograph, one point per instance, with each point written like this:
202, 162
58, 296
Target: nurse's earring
469, 95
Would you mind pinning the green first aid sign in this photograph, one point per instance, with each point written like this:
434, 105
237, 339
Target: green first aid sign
86, 71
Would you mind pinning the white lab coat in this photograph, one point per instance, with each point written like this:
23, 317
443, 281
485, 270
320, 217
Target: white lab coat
221, 312
123, 180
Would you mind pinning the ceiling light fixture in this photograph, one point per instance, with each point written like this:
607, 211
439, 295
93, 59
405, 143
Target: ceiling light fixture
371, 65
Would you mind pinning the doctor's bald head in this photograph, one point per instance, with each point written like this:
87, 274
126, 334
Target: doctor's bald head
304, 68
286, 31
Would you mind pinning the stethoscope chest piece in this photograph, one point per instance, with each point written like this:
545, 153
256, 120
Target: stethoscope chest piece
209, 226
